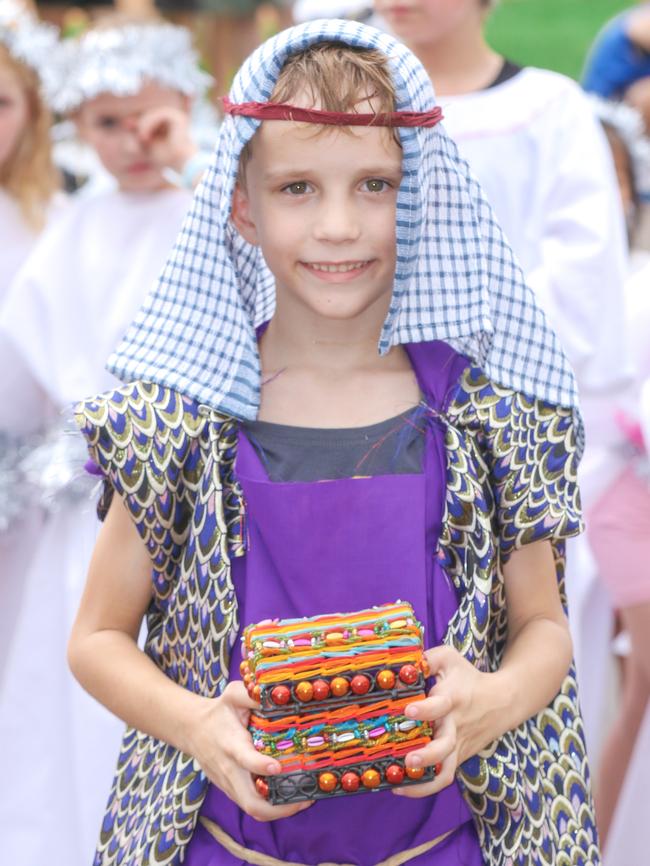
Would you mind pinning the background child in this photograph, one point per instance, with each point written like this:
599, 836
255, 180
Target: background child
619, 520
128, 86
28, 186
530, 137
343, 241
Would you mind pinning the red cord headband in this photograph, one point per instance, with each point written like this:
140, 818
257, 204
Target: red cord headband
282, 111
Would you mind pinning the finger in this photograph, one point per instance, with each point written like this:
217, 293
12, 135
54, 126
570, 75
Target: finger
152, 130
246, 756
445, 775
433, 753
236, 694
239, 786
262, 810
430, 709
438, 658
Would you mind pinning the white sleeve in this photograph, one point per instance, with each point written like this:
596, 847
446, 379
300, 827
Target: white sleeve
26, 332
580, 280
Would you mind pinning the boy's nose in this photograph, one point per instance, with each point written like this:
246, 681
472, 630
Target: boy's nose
337, 222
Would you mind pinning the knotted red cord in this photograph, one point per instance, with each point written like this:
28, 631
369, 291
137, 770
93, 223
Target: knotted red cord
283, 111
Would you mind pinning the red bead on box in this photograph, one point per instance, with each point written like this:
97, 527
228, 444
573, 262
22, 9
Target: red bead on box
333, 691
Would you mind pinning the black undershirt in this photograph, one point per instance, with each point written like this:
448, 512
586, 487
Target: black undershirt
507, 71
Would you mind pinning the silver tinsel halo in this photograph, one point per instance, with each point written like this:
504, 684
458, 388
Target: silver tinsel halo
120, 60
30, 41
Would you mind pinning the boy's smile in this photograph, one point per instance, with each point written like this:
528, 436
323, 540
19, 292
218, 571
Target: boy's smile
321, 204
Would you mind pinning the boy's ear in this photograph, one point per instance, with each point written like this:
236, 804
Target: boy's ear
241, 215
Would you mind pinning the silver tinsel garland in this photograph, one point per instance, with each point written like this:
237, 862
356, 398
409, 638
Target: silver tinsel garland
30, 41
44, 470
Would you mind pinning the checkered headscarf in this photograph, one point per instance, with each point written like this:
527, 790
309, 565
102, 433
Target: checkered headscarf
456, 277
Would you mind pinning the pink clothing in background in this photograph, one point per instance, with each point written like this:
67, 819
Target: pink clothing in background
618, 527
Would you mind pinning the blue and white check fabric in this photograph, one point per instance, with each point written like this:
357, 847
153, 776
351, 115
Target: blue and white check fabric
456, 277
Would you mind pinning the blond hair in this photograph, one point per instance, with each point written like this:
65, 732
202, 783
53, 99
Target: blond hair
335, 77
29, 175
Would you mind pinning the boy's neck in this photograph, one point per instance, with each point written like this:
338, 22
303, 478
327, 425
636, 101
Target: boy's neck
462, 62
329, 347
334, 377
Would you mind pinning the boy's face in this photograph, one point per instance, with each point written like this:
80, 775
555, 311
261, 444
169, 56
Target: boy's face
321, 204
429, 21
111, 125
14, 112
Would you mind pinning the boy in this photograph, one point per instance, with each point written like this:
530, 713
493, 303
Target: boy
331, 239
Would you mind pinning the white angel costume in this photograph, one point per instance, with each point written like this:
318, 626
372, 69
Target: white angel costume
544, 163
30, 43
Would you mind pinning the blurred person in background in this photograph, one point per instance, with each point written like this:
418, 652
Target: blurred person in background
128, 85
29, 199
619, 522
356, 10
531, 138
618, 69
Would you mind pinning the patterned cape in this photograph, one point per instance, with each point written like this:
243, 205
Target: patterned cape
511, 480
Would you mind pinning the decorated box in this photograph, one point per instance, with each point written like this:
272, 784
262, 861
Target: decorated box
332, 691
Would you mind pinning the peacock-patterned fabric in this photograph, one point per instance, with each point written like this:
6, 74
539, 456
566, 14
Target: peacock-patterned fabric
511, 480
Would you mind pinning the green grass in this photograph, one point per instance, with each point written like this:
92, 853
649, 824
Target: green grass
555, 34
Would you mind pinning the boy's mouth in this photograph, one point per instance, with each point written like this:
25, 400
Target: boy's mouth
326, 268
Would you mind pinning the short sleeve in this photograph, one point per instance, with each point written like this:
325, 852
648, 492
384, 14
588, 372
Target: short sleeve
144, 439
530, 451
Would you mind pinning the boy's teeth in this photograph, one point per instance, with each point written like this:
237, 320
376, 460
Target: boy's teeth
337, 269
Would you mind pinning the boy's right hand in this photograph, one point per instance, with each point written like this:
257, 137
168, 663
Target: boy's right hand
222, 745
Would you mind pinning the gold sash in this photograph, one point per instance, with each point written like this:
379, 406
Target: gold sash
255, 858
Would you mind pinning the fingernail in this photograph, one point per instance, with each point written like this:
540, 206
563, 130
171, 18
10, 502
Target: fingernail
272, 768
412, 711
414, 761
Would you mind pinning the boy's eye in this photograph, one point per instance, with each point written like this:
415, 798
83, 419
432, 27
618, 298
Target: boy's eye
375, 184
300, 187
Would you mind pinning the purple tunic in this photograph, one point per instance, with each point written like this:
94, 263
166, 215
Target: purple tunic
375, 542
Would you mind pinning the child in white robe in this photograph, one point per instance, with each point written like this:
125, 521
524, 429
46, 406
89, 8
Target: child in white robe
29, 199
531, 139
128, 89
619, 524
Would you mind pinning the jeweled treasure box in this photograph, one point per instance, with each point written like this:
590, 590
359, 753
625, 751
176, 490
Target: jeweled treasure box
332, 691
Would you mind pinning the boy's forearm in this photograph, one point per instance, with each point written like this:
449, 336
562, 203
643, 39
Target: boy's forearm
111, 667
531, 674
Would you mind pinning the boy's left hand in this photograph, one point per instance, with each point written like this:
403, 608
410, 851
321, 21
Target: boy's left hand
456, 708
165, 132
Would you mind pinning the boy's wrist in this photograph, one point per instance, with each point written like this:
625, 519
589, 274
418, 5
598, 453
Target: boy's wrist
192, 725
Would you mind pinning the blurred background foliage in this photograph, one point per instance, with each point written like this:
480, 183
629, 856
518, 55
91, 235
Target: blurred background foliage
555, 34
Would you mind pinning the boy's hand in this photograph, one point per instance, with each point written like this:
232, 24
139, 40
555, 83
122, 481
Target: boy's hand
224, 749
455, 707
165, 133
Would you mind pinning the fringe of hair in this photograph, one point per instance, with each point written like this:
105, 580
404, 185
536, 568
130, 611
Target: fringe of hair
29, 174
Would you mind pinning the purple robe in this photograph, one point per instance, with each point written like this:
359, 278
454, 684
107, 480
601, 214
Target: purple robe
349, 544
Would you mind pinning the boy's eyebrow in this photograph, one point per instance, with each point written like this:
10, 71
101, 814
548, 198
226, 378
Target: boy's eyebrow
293, 171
